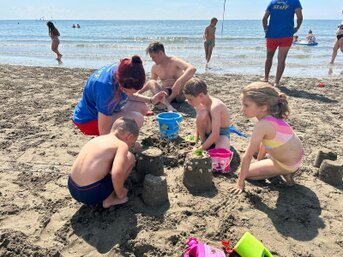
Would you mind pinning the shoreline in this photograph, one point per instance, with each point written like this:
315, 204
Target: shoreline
39, 143
239, 49
328, 77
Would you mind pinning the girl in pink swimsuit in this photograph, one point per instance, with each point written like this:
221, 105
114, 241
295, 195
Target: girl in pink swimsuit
271, 135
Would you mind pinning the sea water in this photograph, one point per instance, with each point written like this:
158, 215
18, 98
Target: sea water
240, 45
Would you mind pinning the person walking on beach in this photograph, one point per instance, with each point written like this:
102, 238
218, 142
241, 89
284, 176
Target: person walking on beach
272, 135
111, 93
338, 44
209, 39
168, 74
279, 33
55, 41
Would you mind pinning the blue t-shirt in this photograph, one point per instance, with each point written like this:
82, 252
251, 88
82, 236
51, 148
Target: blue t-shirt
281, 23
98, 96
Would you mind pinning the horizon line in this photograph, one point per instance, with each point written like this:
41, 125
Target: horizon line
143, 19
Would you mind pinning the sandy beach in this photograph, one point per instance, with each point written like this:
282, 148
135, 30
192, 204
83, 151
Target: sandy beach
39, 143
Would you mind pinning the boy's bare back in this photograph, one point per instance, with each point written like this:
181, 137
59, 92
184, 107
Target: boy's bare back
219, 108
96, 158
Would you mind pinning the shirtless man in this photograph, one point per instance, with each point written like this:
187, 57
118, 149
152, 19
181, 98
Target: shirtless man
169, 74
209, 39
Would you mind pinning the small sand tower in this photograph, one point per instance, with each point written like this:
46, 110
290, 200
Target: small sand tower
197, 176
150, 169
331, 172
149, 161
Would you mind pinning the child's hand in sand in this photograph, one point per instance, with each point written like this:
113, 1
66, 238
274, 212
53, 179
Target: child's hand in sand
170, 108
158, 98
238, 189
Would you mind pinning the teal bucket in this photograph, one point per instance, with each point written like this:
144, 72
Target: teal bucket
169, 124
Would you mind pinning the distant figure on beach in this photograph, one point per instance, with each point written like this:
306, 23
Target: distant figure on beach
310, 38
213, 117
338, 44
54, 34
102, 166
78, 26
209, 39
168, 74
110, 93
295, 38
279, 33
271, 134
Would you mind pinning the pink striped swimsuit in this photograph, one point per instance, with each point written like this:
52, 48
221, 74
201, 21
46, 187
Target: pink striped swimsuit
283, 133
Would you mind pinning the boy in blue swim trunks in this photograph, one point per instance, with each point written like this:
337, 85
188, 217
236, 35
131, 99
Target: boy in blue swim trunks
213, 117
102, 166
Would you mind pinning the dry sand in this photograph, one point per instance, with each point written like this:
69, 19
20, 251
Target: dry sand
38, 144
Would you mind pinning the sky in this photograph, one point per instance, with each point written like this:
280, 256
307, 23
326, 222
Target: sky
156, 9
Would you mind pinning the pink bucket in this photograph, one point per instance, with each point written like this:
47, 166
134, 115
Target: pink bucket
221, 159
198, 249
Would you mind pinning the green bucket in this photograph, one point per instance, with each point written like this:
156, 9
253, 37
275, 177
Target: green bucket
249, 246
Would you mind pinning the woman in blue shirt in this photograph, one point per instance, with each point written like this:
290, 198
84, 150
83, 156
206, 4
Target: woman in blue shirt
110, 93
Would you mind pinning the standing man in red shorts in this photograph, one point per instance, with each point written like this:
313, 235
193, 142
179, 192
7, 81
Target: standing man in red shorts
279, 32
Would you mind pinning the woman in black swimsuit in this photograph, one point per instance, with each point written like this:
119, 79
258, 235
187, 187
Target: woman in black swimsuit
54, 34
338, 42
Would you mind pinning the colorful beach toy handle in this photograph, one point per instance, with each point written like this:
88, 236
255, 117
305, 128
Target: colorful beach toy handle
234, 130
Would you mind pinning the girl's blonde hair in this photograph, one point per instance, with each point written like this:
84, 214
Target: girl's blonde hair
263, 93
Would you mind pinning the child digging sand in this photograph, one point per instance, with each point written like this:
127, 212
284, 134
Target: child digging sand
103, 165
213, 118
271, 135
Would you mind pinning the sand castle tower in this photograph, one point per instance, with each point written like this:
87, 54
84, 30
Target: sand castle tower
197, 176
150, 169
